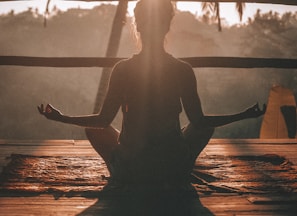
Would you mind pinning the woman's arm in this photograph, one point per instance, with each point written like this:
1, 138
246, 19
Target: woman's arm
217, 121
192, 106
93, 121
110, 107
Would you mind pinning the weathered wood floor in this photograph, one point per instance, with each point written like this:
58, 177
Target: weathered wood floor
217, 204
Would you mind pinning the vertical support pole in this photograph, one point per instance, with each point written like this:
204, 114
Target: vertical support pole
112, 49
104, 141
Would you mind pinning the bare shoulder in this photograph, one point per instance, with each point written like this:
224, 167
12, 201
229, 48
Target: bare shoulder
180, 65
184, 69
121, 68
125, 64
121, 65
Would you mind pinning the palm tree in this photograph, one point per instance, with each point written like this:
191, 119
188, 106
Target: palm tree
214, 7
240, 7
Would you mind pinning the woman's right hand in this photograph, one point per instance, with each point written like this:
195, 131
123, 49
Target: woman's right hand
50, 112
255, 111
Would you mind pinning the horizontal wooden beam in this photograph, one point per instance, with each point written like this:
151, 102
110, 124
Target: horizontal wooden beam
210, 62
284, 2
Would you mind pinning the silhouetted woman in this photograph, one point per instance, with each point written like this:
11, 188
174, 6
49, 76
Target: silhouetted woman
151, 88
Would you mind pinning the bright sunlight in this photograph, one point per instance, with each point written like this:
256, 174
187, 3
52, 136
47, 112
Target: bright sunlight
228, 11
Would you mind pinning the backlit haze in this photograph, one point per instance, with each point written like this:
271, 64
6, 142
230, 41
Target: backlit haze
71, 32
228, 11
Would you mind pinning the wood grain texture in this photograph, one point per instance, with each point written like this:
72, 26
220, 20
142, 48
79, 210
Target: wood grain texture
213, 204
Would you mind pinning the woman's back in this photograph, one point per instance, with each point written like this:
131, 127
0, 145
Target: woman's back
151, 133
151, 95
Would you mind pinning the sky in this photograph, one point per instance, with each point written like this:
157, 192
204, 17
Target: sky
228, 11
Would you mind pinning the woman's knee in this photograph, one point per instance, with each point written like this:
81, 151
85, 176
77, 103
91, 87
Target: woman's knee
190, 132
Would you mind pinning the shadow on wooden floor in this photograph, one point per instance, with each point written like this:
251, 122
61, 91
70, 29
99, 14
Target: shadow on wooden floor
148, 204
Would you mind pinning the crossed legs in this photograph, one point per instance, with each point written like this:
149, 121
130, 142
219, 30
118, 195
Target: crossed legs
197, 140
105, 141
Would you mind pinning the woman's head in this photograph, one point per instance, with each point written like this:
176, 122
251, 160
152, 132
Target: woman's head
153, 18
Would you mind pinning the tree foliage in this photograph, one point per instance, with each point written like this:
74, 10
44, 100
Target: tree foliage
214, 8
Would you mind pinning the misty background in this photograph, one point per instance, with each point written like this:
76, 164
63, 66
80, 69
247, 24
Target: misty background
85, 33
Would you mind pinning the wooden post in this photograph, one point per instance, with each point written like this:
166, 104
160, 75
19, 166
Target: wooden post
112, 49
104, 141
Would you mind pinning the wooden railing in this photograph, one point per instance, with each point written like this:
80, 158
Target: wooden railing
226, 62
284, 2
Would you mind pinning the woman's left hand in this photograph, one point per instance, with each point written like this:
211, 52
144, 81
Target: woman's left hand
50, 112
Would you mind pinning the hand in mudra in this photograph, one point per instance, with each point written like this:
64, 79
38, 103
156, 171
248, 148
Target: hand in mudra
49, 112
255, 111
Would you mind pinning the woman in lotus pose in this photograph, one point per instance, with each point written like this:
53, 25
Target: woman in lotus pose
151, 88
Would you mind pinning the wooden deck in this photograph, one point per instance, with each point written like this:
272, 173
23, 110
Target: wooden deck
216, 203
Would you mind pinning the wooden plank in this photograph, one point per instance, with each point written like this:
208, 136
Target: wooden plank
284, 2
218, 204
272, 200
39, 200
253, 141
56, 152
36, 142
215, 147
240, 205
212, 141
44, 205
50, 200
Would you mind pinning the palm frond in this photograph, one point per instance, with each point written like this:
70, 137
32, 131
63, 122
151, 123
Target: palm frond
217, 9
214, 8
240, 8
208, 6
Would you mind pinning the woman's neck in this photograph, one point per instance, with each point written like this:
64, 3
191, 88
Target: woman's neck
152, 49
